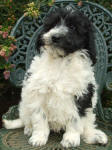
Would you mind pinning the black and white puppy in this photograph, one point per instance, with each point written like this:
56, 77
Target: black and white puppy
61, 91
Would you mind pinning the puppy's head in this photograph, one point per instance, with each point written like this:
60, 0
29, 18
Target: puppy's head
67, 31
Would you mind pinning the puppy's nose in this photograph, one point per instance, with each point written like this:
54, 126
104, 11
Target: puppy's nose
56, 39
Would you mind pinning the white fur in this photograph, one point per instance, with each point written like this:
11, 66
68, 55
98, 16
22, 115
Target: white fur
12, 124
48, 99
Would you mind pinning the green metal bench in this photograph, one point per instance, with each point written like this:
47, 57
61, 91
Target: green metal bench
25, 31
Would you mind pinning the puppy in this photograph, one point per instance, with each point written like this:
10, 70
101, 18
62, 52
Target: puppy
59, 89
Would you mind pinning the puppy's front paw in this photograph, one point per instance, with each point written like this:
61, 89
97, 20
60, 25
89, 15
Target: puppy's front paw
71, 139
96, 137
38, 139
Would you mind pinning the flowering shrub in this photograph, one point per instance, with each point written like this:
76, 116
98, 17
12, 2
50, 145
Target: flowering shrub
7, 46
34, 8
9, 10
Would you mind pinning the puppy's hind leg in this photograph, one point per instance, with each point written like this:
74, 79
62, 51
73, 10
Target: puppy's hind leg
91, 135
40, 128
12, 124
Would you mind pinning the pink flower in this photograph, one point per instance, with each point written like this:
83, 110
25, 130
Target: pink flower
13, 47
9, 27
0, 26
12, 65
4, 35
1, 32
80, 3
9, 18
2, 53
6, 74
6, 58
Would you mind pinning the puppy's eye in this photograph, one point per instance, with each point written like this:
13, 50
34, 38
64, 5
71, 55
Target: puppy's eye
71, 26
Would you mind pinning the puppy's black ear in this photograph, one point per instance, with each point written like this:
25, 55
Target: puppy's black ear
91, 43
86, 28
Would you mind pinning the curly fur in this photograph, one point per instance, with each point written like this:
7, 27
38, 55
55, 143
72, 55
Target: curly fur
59, 89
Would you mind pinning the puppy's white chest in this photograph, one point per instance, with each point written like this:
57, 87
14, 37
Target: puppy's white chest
58, 75
53, 72
61, 75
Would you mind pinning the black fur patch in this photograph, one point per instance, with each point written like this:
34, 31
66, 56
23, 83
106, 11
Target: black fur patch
85, 101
